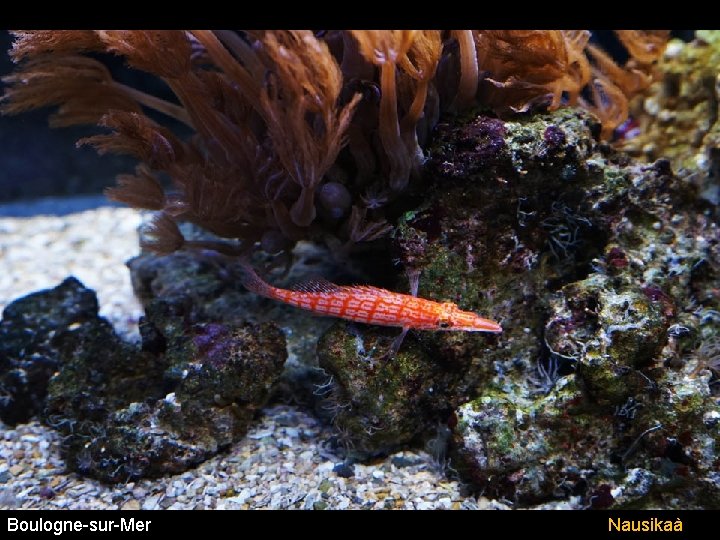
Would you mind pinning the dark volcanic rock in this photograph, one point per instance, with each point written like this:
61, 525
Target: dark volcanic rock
190, 391
129, 414
30, 334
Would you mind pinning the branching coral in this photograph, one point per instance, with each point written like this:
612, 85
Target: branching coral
272, 111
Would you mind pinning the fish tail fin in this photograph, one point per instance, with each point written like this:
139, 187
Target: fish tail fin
252, 282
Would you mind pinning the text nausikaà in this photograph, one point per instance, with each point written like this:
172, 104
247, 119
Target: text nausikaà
644, 525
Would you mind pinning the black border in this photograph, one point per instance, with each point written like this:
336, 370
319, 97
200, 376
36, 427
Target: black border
427, 524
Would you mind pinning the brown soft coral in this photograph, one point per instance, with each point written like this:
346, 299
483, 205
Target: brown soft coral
524, 68
613, 86
272, 110
301, 111
385, 49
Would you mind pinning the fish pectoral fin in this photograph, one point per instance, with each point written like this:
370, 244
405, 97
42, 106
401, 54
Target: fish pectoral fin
397, 343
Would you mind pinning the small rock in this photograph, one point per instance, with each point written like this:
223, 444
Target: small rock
132, 504
344, 470
287, 420
46, 492
151, 503
324, 486
8, 499
403, 461
16, 470
310, 500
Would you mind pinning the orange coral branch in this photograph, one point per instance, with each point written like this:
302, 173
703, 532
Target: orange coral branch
170, 109
384, 49
249, 86
468, 69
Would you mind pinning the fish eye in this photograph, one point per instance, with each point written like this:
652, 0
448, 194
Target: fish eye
444, 324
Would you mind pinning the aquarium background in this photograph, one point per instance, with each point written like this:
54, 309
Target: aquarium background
36, 161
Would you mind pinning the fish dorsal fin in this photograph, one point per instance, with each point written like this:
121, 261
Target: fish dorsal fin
316, 285
367, 289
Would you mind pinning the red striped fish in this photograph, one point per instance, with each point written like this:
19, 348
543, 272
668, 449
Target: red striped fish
372, 305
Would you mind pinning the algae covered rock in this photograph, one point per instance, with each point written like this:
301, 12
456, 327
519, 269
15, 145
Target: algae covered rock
192, 393
473, 243
505, 444
208, 286
30, 333
609, 335
378, 404
131, 416
678, 118
201, 285
189, 392
601, 272
559, 446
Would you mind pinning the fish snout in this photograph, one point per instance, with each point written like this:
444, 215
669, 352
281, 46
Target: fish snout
470, 322
486, 325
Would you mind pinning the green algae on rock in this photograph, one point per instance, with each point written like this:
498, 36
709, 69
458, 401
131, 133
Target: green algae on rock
449, 239
209, 286
128, 414
378, 404
678, 119
559, 447
609, 334
601, 271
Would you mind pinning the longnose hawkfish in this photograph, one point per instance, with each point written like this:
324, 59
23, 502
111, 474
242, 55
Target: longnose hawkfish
372, 305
